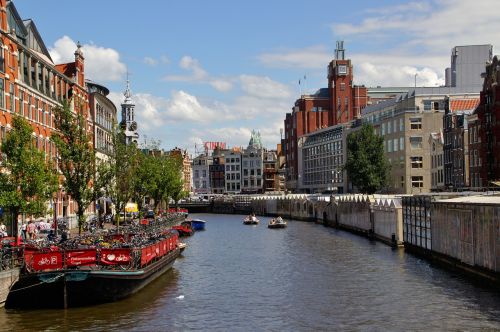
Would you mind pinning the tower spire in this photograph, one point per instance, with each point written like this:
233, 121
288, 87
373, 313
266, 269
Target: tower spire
127, 92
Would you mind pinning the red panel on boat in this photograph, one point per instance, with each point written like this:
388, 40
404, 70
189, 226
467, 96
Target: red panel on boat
81, 257
47, 261
115, 256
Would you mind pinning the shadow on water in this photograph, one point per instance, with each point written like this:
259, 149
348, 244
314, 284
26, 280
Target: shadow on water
303, 278
119, 315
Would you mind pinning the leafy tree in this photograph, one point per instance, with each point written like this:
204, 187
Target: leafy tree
27, 182
76, 159
366, 164
122, 172
145, 178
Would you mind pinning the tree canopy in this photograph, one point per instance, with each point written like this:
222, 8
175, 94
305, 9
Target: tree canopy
76, 159
28, 180
366, 165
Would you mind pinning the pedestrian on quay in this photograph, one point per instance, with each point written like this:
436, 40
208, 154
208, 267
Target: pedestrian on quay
23, 231
31, 229
3, 229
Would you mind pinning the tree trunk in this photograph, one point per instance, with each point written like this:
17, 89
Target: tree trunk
81, 218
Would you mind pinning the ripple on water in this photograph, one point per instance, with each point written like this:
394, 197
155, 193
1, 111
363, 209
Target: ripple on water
303, 278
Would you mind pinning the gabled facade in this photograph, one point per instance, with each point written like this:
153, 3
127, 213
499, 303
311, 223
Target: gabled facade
31, 85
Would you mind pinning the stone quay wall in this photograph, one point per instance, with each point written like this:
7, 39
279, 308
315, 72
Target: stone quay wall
461, 233
7, 279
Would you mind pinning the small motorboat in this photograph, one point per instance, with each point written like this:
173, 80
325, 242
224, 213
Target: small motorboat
277, 223
251, 220
184, 229
181, 246
198, 224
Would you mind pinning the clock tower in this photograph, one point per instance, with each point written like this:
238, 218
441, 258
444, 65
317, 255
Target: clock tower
340, 86
128, 123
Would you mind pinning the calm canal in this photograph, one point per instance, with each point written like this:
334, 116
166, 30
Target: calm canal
306, 277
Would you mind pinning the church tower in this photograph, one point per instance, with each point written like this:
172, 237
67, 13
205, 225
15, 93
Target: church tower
128, 123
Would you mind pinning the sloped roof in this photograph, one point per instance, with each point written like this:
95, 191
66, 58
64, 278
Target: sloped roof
379, 106
463, 104
30, 25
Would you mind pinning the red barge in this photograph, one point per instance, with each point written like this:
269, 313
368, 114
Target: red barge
55, 278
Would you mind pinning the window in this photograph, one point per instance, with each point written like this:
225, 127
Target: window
395, 145
2, 93
416, 123
11, 97
342, 86
401, 143
427, 105
2, 58
416, 162
395, 126
416, 142
258, 171
21, 103
383, 129
245, 172
389, 145
417, 181
196, 173
401, 124
389, 127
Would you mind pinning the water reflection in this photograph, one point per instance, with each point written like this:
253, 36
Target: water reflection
302, 278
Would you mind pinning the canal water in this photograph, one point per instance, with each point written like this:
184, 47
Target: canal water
234, 277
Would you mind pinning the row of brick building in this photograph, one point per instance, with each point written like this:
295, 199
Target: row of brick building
435, 138
31, 85
239, 171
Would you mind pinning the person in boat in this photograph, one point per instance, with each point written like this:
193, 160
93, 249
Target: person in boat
279, 219
253, 218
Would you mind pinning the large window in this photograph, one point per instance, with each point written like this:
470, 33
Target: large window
416, 142
416, 162
417, 181
416, 123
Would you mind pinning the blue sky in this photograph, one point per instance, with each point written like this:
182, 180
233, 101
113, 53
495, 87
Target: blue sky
215, 70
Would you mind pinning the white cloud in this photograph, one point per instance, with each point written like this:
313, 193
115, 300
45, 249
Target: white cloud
154, 111
150, 61
264, 87
197, 74
372, 75
101, 63
436, 26
221, 85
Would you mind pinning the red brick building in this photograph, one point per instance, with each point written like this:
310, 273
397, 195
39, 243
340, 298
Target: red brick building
31, 85
341, 102
485, 132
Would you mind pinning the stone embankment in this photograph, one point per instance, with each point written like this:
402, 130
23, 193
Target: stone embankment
459, 230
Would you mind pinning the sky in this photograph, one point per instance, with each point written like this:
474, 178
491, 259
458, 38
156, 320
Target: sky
216, 70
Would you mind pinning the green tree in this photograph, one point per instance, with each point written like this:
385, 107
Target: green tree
76, 159
366, 164
145, 178
28, 181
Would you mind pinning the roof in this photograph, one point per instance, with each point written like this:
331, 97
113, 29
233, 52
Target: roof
463, 104
323, 92
379, 106
476, 199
